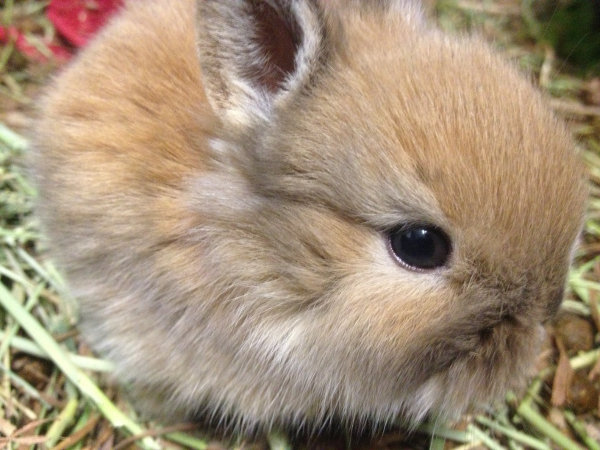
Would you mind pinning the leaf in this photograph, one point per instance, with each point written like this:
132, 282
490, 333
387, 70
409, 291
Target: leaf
562, 377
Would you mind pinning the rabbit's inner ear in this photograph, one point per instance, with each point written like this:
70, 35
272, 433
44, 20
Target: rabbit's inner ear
256, 53
278, 39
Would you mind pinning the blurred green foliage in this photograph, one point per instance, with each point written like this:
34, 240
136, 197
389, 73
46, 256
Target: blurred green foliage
571, 27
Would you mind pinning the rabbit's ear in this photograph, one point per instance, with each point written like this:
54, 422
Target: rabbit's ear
255, 53
412, 11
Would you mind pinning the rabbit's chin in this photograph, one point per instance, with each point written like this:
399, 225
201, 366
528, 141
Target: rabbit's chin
504, 362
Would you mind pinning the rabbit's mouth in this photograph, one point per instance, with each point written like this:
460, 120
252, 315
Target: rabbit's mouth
505, 342
482, 340
501, 358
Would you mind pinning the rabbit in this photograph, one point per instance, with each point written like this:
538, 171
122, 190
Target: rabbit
298, 212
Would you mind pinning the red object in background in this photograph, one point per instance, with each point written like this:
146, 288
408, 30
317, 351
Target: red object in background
23, 45
78, 20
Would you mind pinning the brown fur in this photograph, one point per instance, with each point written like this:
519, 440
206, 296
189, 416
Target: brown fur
226, 239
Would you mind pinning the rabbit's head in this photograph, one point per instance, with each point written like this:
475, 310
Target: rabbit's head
417, 195
370, 219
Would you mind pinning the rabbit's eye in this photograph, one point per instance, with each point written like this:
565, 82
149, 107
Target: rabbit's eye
420, 246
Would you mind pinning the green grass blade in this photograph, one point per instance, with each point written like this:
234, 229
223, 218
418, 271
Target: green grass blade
63, 420
591, 443
187, 441
85, 385
516, 435
12, 139
83, 362
534, 418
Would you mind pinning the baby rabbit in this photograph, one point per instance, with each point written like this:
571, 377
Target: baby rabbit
286, 212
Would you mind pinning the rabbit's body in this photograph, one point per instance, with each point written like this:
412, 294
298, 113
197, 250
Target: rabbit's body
224, 219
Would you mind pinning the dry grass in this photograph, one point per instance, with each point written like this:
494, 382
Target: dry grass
55, 394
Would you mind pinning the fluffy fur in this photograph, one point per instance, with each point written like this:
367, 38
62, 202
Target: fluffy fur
219, 207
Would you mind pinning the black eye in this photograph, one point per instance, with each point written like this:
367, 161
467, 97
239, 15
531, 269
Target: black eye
420, 246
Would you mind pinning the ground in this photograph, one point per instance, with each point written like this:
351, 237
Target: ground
55, 394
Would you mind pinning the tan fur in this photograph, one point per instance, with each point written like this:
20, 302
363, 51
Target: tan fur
227, 241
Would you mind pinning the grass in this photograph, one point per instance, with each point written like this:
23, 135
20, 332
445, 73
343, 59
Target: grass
54, 393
